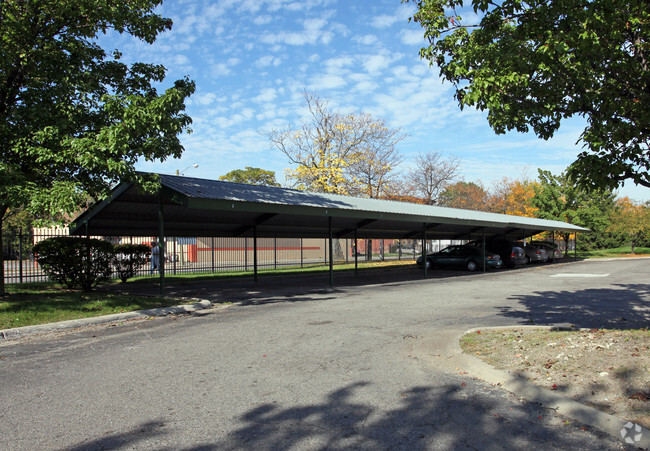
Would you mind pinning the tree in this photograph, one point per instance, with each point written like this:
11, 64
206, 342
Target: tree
74, 119
251, 176
557, 198
373, 172
431, 175
329, 144
533, 64
513, 197
632, 221
465, 195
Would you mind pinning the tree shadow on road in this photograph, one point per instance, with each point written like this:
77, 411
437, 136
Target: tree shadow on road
625, 307
445, 417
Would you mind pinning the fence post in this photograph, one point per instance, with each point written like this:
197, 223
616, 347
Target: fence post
275, 252
174, 256
301, 253
20, 254
211, 251
245, 254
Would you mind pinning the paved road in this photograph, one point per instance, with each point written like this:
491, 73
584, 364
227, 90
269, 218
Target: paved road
310, 368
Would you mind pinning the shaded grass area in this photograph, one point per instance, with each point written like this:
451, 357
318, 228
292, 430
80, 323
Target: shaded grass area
314, 269
624, 251
41, 303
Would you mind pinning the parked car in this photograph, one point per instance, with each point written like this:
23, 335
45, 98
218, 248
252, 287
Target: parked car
462, 256
510, 254
552, 249
534, 253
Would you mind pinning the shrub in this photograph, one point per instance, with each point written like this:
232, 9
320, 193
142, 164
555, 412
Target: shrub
127, 259
75, 262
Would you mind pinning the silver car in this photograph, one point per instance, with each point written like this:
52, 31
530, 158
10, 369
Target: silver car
534, 253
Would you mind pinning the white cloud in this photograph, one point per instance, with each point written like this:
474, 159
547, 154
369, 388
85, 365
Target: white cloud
203, 99
376, 63
267, 61
413, 37
263, 20
383, 21
266, 95
366, 39
326, 81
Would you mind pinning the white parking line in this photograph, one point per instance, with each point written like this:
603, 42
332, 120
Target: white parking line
580, 275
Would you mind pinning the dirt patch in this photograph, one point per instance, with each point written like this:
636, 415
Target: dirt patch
605, 369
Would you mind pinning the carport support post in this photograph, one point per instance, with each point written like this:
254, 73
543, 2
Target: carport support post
161, 245
553, 238
484, 256
255, 252
331, 248
424, 251
356, 253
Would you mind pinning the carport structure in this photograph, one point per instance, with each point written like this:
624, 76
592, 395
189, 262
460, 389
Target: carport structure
191, 207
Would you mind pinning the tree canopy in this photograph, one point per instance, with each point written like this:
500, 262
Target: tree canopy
431, 175
557, 198
533, 64
74, 118
338, 153
251, 176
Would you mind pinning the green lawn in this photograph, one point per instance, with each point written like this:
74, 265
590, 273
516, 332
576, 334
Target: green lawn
30, 304
318, 268
625, 251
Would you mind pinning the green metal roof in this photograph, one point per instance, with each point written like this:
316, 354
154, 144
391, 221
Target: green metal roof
200, 207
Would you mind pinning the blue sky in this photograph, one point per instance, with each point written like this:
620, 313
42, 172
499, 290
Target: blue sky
252, 60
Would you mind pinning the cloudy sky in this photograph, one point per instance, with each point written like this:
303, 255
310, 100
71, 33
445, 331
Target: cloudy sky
253, 59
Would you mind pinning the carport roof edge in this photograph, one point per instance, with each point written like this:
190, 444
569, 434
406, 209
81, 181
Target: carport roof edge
203, 195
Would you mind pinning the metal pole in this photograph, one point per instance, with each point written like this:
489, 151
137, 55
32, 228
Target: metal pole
161, 245
275, 252
424, 252
212, 251
575, 247
484, 256
246, 254
174, 256
330, 252
20, 254
553, 250
301, 253
356, 253
255, 252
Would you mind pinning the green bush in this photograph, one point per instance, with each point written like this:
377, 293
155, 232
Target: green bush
75, 262
127, 259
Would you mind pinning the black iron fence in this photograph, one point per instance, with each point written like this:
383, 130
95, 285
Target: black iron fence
218, 254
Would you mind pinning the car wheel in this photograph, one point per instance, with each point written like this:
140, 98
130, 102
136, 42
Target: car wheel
472, 265
429, 264
527, 260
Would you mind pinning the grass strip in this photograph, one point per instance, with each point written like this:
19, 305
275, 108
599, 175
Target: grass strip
31, 304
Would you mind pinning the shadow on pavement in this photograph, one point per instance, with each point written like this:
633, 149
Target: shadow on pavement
127, 439
444, 417
625, 307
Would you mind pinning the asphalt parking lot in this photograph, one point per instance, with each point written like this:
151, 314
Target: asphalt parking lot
293, 364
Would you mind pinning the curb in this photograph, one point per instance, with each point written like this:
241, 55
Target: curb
449, 355
19, 332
